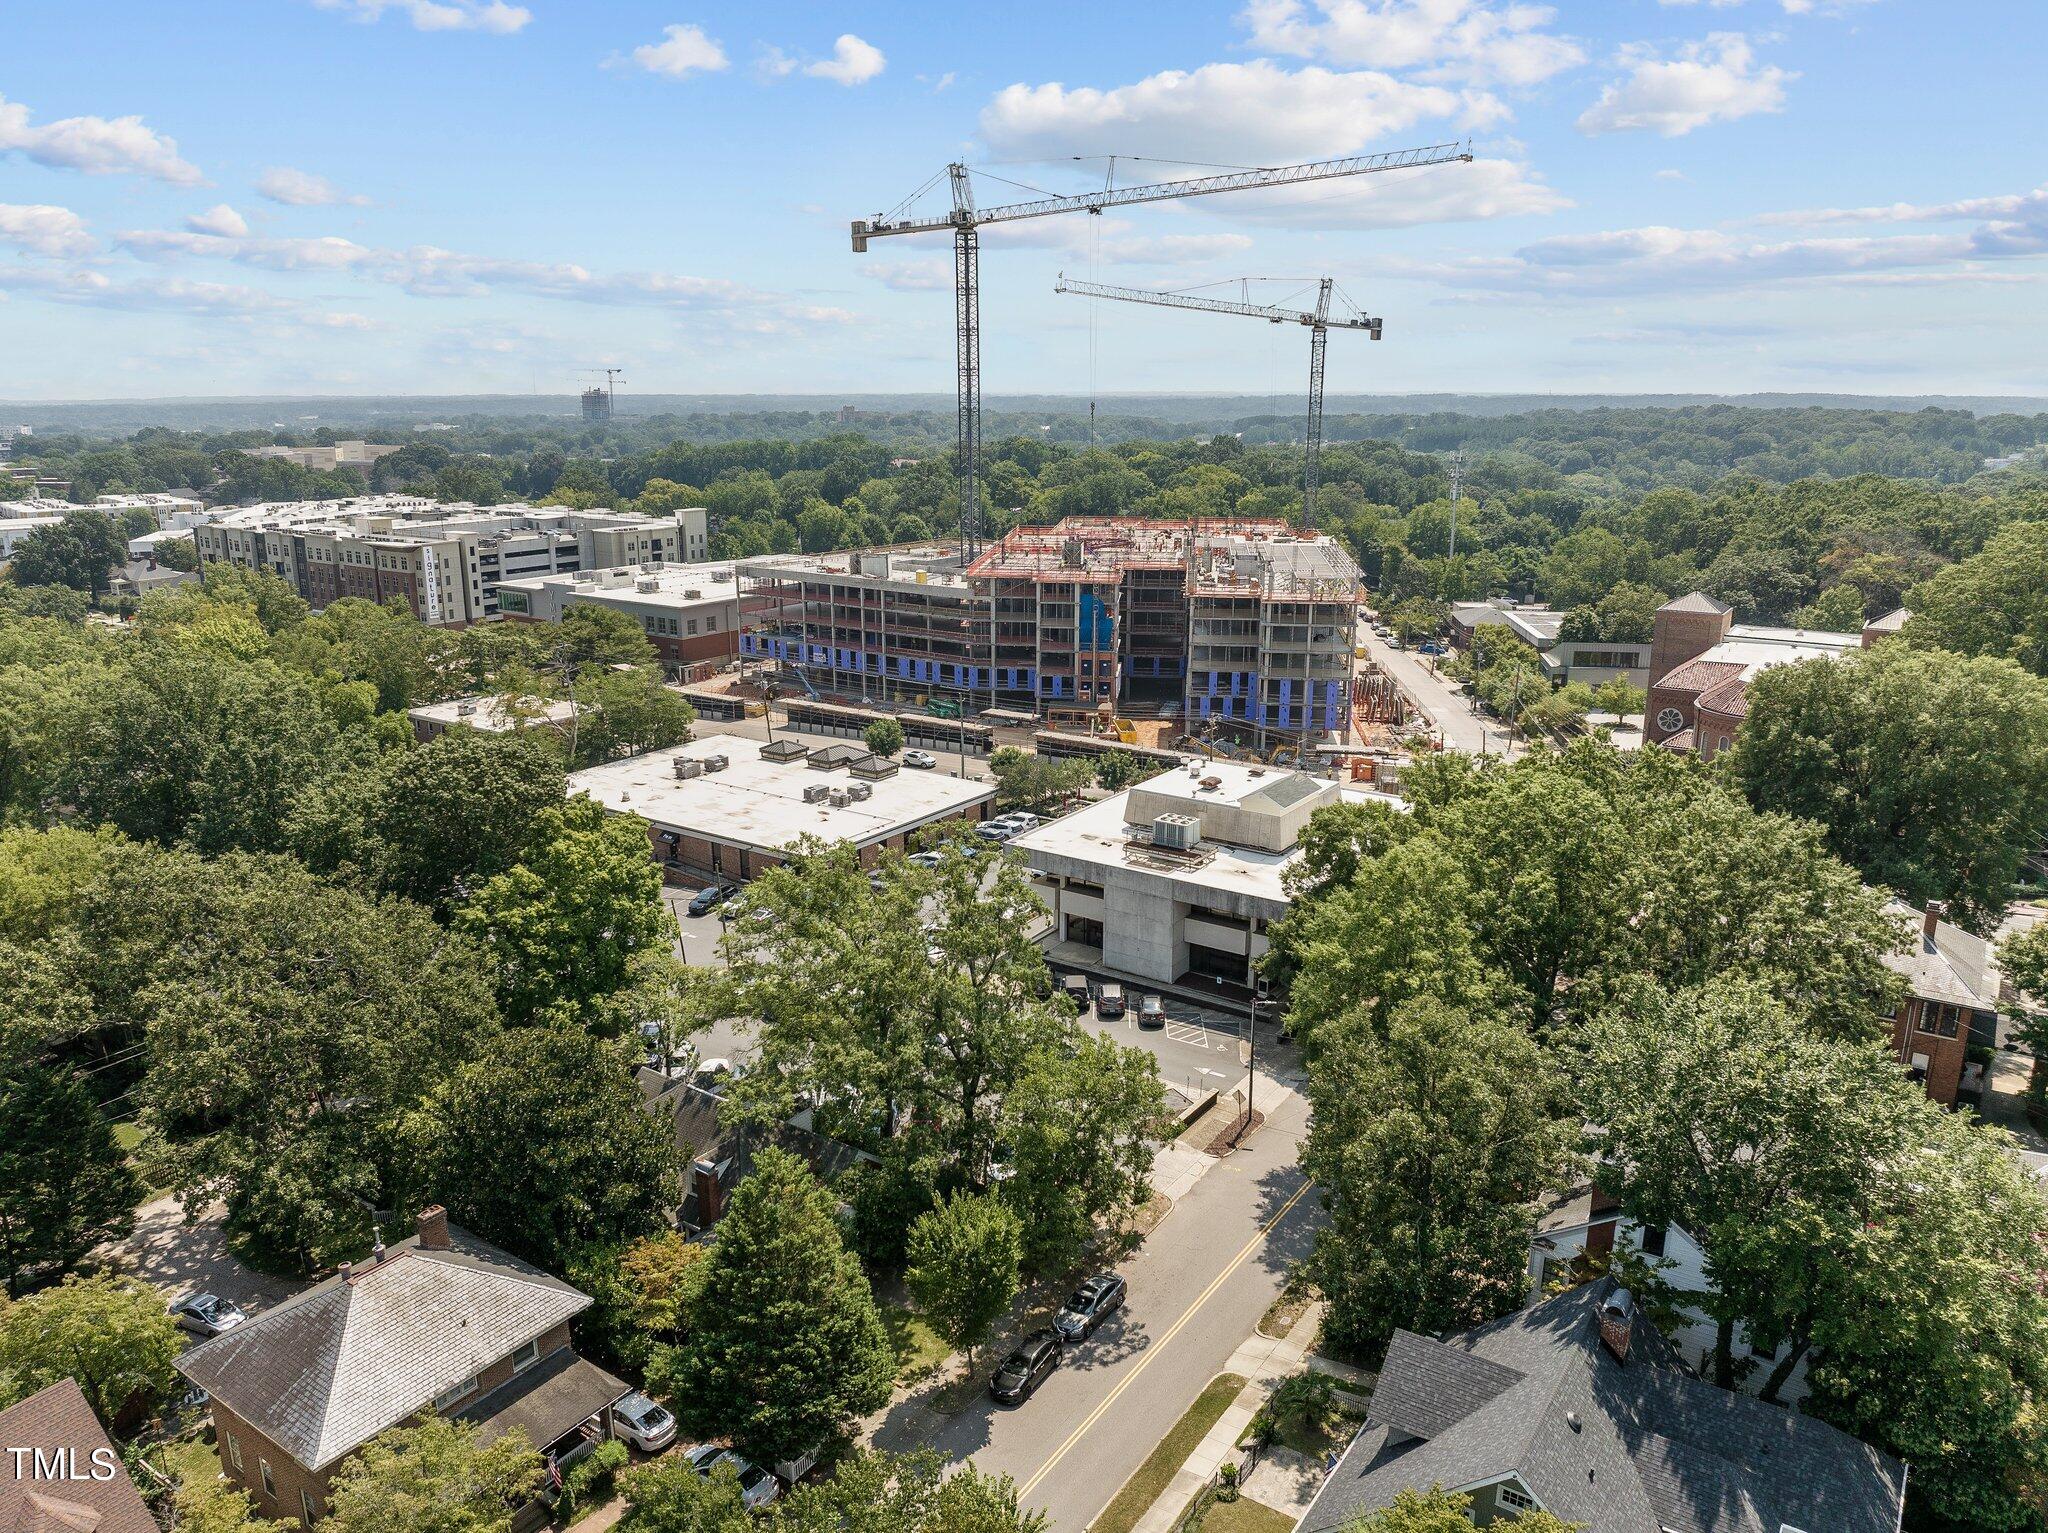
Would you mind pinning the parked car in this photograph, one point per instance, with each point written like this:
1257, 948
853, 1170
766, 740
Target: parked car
206, 1314
757, 1486
1021, 822
920, 759
644, 1424
1076, 989
1109, 1001
1430, 648
710, 897
1152, 1011
1092, 1303
995, 830
1026, 1368
925, 859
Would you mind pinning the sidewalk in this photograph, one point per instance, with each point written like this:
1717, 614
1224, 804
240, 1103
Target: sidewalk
1263, 1361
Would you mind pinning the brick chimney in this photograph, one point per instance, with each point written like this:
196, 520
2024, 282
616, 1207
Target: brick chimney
1617, 1322
1932, 916
434, 1228
710, 1196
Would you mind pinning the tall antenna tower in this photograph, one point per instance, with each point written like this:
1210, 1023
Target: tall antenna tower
1457, 494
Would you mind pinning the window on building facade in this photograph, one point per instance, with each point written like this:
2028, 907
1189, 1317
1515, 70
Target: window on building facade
1653, 1240
454, 1392
269, 1485
234, 1451
526, 1356
693, 628
1942, 1021
306, 1507
1514, 1498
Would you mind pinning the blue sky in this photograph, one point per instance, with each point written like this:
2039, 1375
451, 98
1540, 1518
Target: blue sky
339, 196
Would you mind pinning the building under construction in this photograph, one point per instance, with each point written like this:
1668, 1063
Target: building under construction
1247, 622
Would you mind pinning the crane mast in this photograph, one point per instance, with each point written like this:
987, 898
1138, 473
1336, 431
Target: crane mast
1319, 324
964, 219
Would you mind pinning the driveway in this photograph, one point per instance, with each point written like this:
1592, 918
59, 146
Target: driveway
178, 1259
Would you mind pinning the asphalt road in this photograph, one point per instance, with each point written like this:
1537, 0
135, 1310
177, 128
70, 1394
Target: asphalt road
1462, 726
1198, 1286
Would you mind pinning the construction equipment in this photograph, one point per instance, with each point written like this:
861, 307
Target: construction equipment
1319, 324
964, 219
611, 379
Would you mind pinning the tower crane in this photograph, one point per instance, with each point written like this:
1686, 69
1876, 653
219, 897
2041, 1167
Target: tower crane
1318, 321
611, 379
965, 220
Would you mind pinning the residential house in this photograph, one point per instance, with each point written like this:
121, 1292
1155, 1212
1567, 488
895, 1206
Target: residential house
1951, 1004
59, 1473
1576, 1407
1578, 1236
442, 1323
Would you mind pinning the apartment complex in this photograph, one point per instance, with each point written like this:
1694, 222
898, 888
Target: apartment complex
327, 459
1245, 620
689, 612
445, 562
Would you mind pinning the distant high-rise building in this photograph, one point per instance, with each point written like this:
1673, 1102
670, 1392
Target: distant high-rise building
597, 405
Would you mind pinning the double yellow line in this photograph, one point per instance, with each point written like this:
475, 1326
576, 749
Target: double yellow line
1088, 1422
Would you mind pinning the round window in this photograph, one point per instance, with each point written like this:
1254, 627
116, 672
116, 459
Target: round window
1670, 720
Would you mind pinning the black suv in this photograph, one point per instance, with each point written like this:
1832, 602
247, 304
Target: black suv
1089, 1307
1026, 1368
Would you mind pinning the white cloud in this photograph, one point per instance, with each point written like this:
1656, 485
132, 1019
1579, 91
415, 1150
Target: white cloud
440, 15
43, 230
96, 289
303, 189
771, 63
1173, 249
684, 50
99, 146
1715, 80
853, 62
1448, 39
218, 219
1254, 112
2031, 206
919, 276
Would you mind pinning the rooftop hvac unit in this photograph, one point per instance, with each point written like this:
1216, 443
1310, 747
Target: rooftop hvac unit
837, 798
464, 710
688, 767
815, 792
693, 596
585, 577
1210, 784
647, 585
858, 792
717, 763
1183, 832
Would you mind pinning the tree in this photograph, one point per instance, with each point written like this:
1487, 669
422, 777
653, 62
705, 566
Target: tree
962, 1269
785, 1345
290, 1025
908, 1493
80, 552
1993, 603
1117, 770
640, 1292
884, 736
561, 929
1620, 697
669, 1495
110, 1334
1081, 1124
436, 1477
1025, 780
460, 810
628, 713
554, 1109
2023, 959
1437, 1510
64, 1184
1433, 1138
209, 1503
591, 637
1928, 771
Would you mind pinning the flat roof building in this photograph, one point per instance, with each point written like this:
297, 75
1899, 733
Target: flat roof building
1244, 620
445, 562
689, 612
493, 715
1181, 876
727, 807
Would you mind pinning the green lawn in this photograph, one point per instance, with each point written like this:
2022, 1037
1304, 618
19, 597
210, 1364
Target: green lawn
1242, 1516
1160, 1466
130, 1137
189, 1458
919, 1349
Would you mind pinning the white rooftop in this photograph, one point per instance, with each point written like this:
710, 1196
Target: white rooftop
1758, 649
760, 804
1101, 833
663, 585
495, 715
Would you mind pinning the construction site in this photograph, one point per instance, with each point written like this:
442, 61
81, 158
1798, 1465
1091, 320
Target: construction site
1243, 627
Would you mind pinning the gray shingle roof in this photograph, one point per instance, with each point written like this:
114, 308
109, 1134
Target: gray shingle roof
331, 1367
1622, 1448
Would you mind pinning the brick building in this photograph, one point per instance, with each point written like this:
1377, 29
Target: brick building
1951, 1003
440, 1324
689, 612
1702, 661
